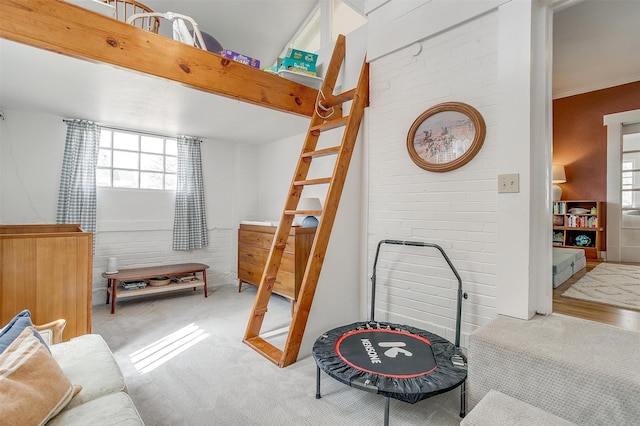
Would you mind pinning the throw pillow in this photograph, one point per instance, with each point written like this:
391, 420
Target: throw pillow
13, 329
33, 387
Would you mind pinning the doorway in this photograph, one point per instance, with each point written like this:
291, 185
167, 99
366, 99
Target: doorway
623, 186
630, 194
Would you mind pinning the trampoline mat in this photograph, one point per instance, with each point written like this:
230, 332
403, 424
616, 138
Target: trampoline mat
397, 361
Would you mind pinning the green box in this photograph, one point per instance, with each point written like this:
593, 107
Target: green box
301, 55
297, 66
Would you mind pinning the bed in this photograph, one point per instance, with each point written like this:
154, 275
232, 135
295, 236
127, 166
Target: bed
81, 33
566, 263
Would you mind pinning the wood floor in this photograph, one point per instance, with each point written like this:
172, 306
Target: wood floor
623, 318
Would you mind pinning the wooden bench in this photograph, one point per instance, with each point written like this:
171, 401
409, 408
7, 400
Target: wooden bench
152, 272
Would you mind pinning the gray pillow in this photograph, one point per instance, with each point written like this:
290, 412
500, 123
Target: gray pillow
11, 331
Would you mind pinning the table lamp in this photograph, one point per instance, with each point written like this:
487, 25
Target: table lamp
309, 206
558, 176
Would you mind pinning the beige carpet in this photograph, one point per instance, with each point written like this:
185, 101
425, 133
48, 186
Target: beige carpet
185, 364
611, 284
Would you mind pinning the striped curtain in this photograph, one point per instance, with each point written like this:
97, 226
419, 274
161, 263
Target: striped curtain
77, 194
190, 222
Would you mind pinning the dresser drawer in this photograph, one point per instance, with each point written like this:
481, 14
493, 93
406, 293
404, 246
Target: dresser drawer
285, 281
258, 256
264, 240
252, 254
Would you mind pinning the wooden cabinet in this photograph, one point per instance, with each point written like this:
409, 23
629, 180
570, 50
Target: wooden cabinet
254, 243
579, 224
48, 270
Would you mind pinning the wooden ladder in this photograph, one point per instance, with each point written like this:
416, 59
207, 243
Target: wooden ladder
360, 97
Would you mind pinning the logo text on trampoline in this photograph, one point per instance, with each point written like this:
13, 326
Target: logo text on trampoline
371, 351
395, 348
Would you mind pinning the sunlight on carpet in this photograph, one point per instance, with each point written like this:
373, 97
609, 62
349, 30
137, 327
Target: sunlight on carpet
157, 353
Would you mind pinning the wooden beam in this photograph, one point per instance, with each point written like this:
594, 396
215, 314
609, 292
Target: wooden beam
70, 30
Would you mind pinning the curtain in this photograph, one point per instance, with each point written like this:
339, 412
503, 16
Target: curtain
190, 222
77, 194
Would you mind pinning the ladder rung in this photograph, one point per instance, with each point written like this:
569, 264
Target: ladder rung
322, 152
304, 212
338, 99
318, 181
333, 124
269, 351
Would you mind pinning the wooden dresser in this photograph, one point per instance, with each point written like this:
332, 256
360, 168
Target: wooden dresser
48, 270
254, 243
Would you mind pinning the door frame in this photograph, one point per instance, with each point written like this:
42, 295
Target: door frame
614, 123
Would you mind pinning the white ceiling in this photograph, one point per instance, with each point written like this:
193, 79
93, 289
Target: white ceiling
596, 45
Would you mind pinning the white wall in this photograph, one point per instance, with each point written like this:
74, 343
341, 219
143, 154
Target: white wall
480, 55
31, 146
133, 226
457, 209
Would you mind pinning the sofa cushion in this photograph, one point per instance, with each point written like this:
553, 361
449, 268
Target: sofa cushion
88, 361
113, 409
33, 388
12, 330
564, 258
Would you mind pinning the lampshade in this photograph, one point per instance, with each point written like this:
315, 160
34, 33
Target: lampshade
309, 204
558, 174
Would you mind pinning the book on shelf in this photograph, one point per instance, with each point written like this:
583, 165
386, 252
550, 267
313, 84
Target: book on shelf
574, 221
185, 278
133, 285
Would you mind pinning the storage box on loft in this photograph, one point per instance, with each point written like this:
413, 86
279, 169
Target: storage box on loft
301, 55
299, 61
297, 66
238, 57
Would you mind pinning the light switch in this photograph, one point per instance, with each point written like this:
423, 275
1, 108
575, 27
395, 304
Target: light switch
509, 183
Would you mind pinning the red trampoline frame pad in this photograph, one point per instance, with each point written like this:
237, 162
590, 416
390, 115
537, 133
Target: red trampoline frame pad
386, 331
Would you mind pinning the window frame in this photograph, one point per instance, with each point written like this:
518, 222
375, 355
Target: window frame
169, 156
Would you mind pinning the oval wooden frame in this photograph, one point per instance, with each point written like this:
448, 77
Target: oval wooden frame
476, 144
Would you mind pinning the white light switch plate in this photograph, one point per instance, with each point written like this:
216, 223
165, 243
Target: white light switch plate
509, 183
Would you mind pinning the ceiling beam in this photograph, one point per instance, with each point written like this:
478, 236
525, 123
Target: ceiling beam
70, 30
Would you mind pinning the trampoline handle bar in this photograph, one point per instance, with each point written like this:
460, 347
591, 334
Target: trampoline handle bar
446, 258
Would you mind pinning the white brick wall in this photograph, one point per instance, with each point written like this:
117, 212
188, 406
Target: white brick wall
137, 249
456, 209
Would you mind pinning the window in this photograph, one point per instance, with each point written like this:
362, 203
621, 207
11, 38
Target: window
630, 178
627, 184
139, 161
340, 18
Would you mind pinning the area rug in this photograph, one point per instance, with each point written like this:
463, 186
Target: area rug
611, 284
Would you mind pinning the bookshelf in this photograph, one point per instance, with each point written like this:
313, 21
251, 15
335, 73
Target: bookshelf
579, 224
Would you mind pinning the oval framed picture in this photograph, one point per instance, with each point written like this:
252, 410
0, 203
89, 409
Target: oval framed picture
446, 136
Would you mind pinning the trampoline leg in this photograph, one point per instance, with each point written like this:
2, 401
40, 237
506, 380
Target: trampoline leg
317, 382
386, 411
463, 399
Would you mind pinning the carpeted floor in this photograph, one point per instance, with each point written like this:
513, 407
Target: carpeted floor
185, 364
611, 284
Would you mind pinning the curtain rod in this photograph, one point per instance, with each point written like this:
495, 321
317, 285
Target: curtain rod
141, 132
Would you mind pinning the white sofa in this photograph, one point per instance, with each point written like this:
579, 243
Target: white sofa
87, 361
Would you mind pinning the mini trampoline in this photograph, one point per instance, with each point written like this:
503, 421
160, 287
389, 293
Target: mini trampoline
394, 360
